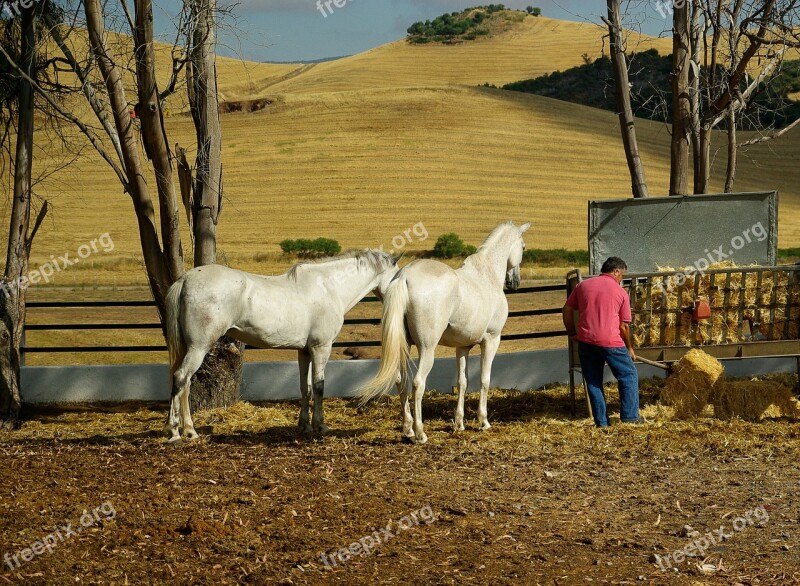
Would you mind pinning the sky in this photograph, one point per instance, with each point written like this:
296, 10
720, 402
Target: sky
297, 30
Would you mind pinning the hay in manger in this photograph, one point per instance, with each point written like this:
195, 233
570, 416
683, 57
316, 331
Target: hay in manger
747, 304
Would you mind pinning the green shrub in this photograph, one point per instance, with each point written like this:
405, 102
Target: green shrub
305, 248
556, 257
450, 246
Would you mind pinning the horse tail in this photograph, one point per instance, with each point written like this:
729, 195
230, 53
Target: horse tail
395, 354
175, 342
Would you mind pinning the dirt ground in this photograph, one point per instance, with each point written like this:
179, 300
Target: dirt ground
541, 498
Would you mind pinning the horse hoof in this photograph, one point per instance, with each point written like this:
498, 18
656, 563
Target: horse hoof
485, 426
421, 439
322, 429
306, 428
458, 426
190, 435
173, 438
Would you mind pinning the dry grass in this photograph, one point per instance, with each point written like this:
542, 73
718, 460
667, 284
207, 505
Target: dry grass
386, 160
539, 416
540, 495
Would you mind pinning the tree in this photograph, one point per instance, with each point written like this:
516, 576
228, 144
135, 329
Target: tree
17, 254
725, 53
17, 95
681, 102
749, 41
117, 139
623, 96
217, 382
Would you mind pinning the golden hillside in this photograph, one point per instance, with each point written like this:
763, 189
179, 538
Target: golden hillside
364, 166
363, 148
532, 48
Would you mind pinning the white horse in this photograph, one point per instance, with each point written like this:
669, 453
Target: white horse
303, 309
431, 304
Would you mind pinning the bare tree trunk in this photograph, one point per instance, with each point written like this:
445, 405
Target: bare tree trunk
694, 85
12, 294
204, 103
704, 177
734, 37
154, 137
730, 172
157, 273
623, 97
218, 381
681, 102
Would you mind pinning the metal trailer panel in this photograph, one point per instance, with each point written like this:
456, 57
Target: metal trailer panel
676, 232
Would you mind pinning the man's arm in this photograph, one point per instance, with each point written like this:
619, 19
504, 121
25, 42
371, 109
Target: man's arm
568, 317
625, 332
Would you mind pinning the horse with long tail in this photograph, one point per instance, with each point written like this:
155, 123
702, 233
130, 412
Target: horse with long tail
428, 303
303, 309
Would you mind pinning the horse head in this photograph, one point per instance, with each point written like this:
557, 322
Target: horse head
515, 258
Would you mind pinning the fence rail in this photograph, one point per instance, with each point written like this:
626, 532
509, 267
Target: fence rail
25, 349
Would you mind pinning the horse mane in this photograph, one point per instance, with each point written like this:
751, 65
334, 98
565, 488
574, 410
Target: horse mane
376, 259
492, 239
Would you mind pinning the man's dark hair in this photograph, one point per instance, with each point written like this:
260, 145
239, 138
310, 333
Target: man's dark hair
612, 264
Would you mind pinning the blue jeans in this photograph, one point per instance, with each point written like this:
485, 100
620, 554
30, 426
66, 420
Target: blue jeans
593, 359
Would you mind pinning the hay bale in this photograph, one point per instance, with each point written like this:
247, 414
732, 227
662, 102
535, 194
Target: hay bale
691, 383
754, 400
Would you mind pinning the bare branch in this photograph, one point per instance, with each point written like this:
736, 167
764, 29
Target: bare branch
128, 16
69, 116
769, 137
36, 224
88, 91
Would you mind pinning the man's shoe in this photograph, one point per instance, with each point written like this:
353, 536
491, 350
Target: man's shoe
639, 421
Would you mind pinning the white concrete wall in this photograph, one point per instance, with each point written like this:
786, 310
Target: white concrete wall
267, 381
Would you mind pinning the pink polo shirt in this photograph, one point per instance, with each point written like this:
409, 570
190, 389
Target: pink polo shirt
602, 304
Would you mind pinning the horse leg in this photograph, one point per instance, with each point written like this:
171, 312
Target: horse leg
488, 350
461, 360
191, 364
319, 359
173, 417
405, 406
423, 369
183, 378
304, 361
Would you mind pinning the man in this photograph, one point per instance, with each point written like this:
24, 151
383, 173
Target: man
604, 336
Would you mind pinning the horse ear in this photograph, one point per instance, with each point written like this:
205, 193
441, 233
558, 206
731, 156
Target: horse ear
524, 228
396, 259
